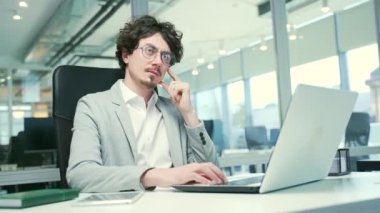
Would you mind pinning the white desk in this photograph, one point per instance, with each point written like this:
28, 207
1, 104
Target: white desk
357, 192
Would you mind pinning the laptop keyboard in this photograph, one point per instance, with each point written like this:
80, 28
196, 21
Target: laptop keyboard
245, 181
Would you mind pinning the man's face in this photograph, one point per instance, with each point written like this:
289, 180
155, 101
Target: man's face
145, 66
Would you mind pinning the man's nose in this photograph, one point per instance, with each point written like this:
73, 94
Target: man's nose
157, 59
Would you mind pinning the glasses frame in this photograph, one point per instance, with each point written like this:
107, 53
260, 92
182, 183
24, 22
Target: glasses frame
163, 54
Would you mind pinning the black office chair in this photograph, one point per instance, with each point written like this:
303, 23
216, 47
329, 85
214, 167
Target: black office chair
256, 137
214, 129
217, 136
357, 134
4, 150
209, 125
273, 136
358, 128
15, 151
70, 83
16, 155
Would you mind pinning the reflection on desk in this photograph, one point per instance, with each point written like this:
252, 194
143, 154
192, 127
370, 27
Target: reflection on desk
357, 192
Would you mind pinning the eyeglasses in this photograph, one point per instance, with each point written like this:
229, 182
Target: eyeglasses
150, 52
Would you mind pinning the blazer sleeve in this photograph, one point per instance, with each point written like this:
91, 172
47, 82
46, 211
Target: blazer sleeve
200, 147
86, 169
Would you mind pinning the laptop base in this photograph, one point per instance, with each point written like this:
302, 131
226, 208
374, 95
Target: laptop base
218, 189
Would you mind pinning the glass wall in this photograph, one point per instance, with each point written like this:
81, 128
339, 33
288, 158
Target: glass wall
362, 62
265, 100
342, 56
323, 72
22, 98
235, 94
320, 54
209, 104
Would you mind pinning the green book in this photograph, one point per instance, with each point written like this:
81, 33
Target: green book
36, 197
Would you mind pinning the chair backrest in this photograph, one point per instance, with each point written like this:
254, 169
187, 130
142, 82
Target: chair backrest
70, 83
209, 125
215, 130
218, 135
15, 151
256, 137
358, 129
273, 135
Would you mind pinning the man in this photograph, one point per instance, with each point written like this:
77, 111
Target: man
129, 137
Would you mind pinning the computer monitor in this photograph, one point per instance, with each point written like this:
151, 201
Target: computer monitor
39, 134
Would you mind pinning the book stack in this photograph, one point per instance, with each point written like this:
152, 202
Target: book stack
36, 197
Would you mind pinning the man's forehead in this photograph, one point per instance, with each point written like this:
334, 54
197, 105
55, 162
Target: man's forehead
155, 40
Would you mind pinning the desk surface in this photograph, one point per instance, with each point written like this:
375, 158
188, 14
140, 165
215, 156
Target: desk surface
357, 192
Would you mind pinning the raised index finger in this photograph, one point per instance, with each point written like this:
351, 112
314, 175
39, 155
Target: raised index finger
174, 77
165, 86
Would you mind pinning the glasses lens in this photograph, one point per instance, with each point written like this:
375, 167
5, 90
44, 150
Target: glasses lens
166, 57
149, 51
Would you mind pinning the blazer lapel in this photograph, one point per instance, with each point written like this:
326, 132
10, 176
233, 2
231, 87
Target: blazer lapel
124, 118
172, 131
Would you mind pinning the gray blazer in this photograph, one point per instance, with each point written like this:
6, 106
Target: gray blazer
103, 148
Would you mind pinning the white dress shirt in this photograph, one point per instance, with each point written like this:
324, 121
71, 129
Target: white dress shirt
148, 126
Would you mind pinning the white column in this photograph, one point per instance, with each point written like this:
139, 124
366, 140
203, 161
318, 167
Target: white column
281, 44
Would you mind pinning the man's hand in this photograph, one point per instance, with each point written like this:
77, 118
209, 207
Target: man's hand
205, 173
179, 93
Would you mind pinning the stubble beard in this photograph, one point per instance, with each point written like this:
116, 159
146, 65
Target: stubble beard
149, 83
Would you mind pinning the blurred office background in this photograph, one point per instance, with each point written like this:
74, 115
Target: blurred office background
230, 61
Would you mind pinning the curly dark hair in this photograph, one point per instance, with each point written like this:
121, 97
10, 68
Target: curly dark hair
144, 27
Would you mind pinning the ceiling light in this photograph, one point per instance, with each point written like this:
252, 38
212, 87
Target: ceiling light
22, 4
221, 50
210, 66
325, 6
292, 32
195, 71
200, 60
292, 37
263, 44
263, 47
16, 16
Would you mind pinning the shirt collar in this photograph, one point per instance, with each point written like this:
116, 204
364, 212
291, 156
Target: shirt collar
131, 97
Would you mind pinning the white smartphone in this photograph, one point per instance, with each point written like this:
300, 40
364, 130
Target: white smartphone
109, 198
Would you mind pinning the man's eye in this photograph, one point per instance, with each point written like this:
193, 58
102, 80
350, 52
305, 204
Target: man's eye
166, 57
150, 50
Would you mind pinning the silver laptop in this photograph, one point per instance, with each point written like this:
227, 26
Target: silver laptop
313, 128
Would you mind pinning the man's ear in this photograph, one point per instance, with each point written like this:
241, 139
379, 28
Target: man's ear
125, 55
